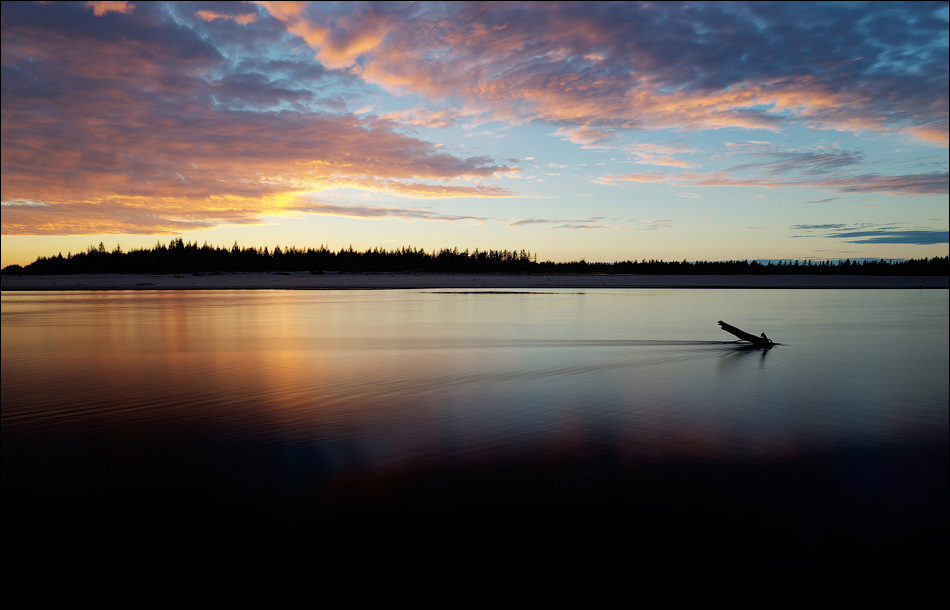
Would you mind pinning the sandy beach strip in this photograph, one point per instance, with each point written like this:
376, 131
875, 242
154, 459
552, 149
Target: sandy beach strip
405, 281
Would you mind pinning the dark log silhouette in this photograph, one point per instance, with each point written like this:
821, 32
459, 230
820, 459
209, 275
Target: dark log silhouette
758, 342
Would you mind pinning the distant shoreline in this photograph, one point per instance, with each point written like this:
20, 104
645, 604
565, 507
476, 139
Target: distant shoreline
407, 281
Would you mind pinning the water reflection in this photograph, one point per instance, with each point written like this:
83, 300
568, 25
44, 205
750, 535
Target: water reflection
319, 404
305, 366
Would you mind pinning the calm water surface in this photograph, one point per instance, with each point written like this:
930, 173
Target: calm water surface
578, 424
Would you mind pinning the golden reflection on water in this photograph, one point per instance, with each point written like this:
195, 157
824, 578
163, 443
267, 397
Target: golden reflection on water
415, 375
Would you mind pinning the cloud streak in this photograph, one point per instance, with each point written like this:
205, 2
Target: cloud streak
867, 233
771, 167
910, 184
370, 211
593, 223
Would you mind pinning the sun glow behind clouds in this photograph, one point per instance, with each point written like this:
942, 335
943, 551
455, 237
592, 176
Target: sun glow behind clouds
149, 119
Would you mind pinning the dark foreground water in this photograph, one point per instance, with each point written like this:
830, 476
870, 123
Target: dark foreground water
600, 431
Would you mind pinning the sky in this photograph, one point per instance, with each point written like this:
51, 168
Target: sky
598, 131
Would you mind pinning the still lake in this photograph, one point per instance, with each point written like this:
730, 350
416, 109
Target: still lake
602, 427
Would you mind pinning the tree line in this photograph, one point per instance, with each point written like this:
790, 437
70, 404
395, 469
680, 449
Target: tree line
181, 257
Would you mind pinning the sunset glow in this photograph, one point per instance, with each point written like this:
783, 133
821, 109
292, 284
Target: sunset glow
603, 131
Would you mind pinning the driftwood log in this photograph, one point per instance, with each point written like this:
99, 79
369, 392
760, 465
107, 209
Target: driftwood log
759, 342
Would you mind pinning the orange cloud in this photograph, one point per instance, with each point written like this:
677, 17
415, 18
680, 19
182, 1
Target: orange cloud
358, 32
938, 134
103, 7
243, 19
549, 62
569, 99
161, 118
140, 138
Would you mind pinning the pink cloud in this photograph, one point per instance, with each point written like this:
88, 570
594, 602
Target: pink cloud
597, 69
589, 137
422, 117
122, 138
904, 185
